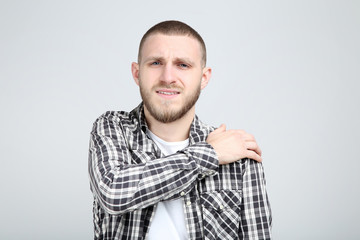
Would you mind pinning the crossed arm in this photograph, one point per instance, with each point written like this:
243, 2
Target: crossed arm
122, 186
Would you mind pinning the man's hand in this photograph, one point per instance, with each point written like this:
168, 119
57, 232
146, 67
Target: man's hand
233, 145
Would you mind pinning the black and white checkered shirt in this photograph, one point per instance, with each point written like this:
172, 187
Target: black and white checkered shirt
129, 176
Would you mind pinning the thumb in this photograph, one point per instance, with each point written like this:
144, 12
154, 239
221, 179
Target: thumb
221, 129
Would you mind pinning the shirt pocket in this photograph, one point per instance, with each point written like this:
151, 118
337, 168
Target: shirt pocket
221, 213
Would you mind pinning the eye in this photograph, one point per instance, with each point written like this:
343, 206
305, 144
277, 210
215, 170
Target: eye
155, 63
183, 65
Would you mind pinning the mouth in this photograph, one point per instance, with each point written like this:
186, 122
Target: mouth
167, 93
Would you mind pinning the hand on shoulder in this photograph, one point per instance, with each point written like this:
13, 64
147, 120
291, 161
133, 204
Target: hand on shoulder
233, 145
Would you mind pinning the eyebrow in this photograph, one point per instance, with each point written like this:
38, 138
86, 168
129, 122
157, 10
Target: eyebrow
153, 58
185, 60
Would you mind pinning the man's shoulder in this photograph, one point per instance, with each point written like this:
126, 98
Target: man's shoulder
207, 127
200, 130
114, 116
118, 117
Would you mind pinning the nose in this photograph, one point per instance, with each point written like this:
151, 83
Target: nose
168, 74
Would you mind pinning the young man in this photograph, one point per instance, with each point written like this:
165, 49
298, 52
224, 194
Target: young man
158, 172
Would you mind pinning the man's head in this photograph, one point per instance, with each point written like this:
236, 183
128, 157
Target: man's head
174, 28
171, 71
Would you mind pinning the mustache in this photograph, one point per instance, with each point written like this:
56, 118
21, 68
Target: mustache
172, 86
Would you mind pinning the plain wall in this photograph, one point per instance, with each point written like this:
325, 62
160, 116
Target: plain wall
286, 71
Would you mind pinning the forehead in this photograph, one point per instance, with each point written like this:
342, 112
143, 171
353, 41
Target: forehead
171, 46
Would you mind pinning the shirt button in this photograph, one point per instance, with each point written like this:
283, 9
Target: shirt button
221, 207
182, 194
188, 203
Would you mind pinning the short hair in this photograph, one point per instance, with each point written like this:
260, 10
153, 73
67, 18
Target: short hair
175, 28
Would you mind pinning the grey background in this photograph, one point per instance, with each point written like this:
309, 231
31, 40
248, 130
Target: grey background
286, 71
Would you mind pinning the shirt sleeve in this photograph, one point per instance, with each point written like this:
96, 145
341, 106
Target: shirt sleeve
256, 219
123, 185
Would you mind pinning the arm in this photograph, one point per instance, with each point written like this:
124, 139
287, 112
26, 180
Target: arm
122, 186
256, 217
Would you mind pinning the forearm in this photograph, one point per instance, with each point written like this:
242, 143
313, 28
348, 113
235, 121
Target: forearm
122, 186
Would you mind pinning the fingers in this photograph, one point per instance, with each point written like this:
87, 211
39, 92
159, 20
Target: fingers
258, 150
253, 151
252, 145
246, 136
253, 155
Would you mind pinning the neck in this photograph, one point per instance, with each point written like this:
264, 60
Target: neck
171, 132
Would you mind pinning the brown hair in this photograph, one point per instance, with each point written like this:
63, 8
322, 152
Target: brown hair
173, 27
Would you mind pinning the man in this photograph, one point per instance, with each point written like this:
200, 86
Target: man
158, 172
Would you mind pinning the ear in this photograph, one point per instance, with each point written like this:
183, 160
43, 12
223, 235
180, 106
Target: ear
135, 72
205, 77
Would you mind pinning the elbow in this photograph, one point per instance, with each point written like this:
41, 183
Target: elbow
112, 203
110, 199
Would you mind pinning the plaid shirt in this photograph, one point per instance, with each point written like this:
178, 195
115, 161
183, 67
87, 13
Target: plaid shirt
129, 175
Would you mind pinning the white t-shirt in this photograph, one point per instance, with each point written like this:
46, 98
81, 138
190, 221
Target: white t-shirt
169, 220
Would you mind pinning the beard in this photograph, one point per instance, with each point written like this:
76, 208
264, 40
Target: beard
163, 112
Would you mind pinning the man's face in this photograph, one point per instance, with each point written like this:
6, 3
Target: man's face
170, 76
